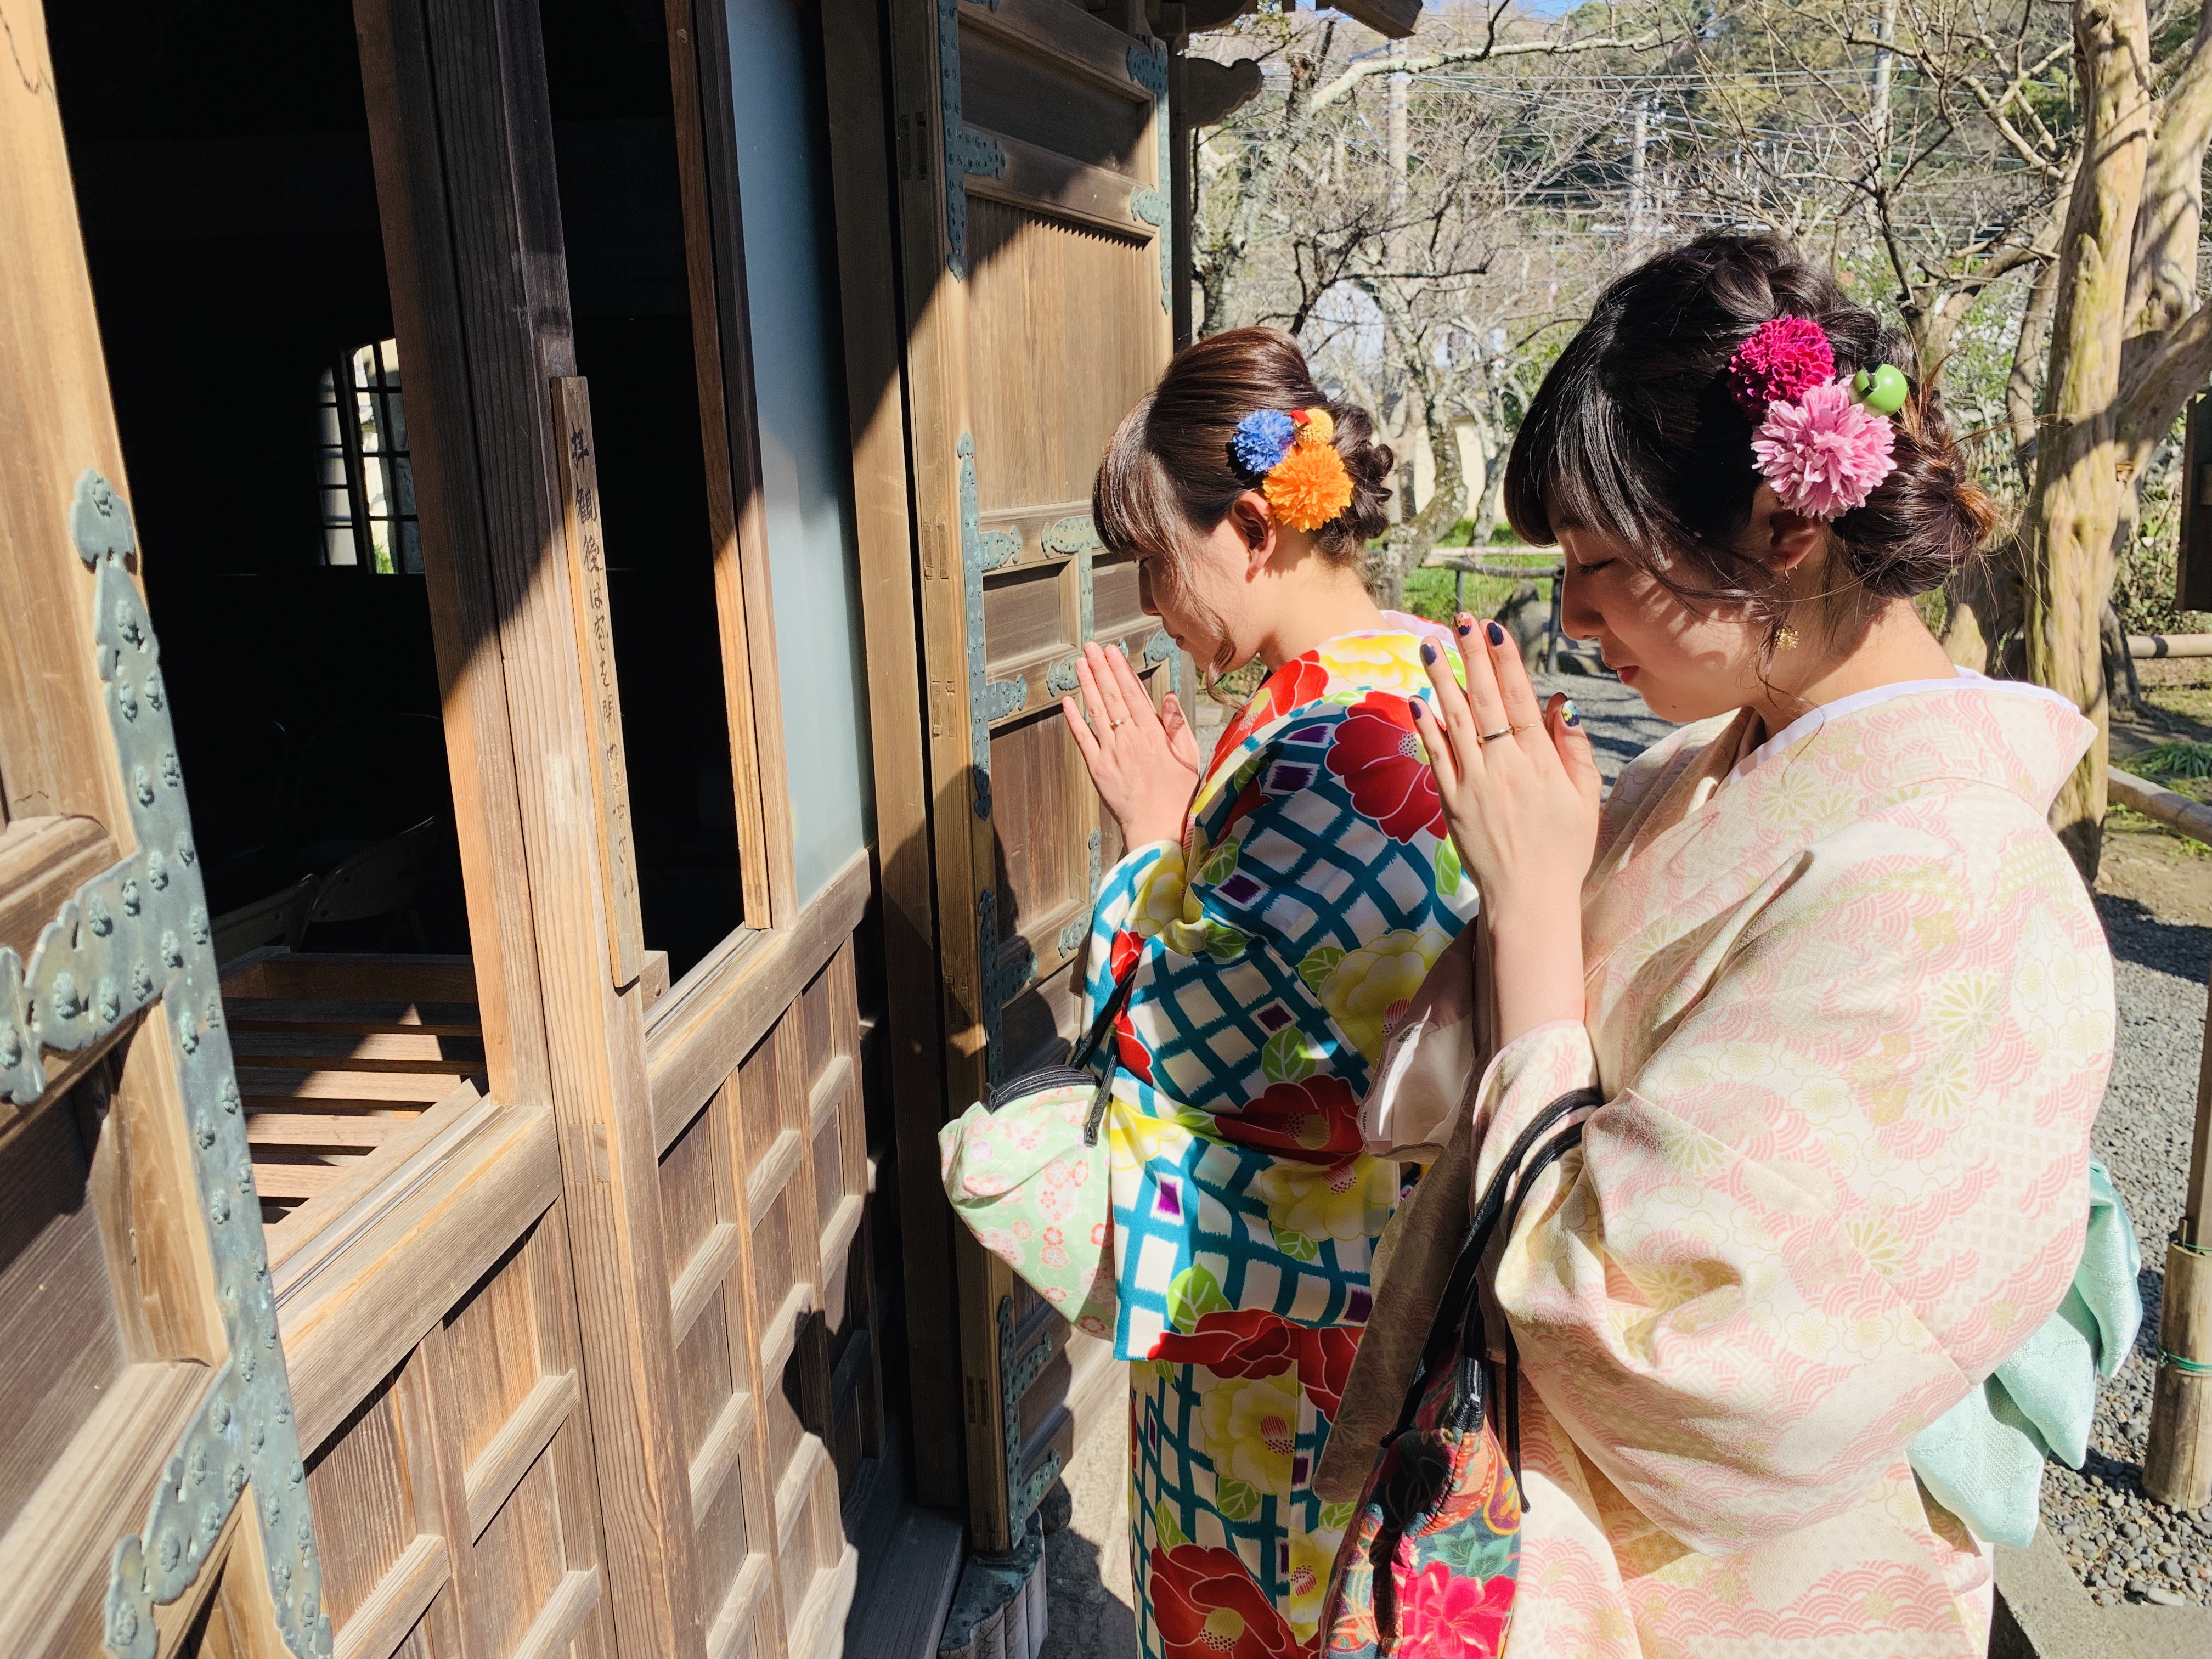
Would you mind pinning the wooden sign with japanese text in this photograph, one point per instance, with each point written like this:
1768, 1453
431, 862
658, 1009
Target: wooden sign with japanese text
595, 651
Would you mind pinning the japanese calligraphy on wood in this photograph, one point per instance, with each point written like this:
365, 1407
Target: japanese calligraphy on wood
595, 655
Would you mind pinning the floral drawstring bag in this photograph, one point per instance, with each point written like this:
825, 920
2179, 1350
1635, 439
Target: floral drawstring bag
1431, 1561
1027, 1170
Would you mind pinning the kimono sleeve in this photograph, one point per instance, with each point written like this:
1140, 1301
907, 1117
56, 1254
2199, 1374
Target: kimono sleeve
1828, 1202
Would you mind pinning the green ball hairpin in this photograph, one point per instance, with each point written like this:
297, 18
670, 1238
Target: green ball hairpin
1883, 390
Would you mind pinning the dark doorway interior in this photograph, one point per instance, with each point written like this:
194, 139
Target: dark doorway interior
622, 219
222, 162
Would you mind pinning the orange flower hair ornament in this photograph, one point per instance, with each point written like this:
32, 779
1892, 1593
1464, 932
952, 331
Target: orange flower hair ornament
1294, 456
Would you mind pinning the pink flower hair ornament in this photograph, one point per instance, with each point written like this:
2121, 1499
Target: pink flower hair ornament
1823, 444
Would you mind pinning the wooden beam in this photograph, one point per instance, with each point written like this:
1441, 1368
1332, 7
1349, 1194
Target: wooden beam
729, 1002
861, 174
477, 68
721, 333
421, 267
498, 1469
56, 754
575, 459
365, 1308
398, 1603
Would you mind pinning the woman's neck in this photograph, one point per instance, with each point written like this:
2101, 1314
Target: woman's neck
1314, 611
1896, 647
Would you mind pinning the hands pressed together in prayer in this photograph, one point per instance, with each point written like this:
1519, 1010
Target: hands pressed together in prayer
1144, 762
1519, 789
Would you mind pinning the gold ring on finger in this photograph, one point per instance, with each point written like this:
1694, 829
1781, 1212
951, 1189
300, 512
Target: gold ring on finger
1504, 731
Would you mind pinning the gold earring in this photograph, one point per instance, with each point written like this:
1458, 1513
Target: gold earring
1785, 638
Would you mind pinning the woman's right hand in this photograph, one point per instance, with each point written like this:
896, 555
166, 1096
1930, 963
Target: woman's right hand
1144, 763
1520, 790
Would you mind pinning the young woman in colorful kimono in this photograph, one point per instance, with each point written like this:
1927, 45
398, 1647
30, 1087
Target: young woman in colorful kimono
1844, 998
1279, 900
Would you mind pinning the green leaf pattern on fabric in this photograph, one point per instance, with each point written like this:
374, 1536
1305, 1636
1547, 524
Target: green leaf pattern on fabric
1320, 963
1450, 871
1296, 1246
1236, 1500
1165, 1527
1193, 1293
1221, 863
1286, 1057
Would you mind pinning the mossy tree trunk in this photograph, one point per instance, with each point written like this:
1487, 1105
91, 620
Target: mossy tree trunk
2076, 509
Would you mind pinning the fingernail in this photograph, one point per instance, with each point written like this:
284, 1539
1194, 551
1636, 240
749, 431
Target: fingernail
1496, 634
1466, 624
1428, 650
1416, 707
1570, 715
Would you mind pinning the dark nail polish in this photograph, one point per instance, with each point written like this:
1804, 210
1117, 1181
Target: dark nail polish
1428, 650
1466, 624
1496, 634
1570, 715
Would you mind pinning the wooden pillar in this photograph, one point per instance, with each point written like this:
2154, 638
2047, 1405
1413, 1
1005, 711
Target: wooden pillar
2177, 1466
465, 153
861, 177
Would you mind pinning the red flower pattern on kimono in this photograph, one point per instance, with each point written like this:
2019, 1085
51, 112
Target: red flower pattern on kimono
1314, 1121
1135, 1058
1207, 1606
1448, 1617
1378, 755
1296, 682
1253, 1343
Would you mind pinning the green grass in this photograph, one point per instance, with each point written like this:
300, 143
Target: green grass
2172, 760
2126, 820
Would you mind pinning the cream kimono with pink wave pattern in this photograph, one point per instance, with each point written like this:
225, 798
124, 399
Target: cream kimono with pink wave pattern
1851, 1011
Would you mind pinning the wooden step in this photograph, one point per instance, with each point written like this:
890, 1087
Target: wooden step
298, 1014
388, 1051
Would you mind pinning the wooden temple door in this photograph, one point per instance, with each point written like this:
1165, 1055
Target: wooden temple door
152, 1496
1032, 152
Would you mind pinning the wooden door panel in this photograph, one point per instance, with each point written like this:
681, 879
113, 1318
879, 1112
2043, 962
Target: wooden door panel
1035, 242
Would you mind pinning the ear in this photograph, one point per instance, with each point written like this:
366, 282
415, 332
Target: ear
1779, 539
1255, 523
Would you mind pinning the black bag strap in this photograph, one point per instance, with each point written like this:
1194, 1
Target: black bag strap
1108, 1012
1458, 1321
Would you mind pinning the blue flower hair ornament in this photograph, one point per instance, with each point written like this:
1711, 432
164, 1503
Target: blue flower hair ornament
1261, 440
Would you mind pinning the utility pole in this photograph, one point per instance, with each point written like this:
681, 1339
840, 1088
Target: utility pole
1401, 85
1884, 58
1640, 139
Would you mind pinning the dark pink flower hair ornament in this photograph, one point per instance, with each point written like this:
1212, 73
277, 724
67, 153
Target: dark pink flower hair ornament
1824, 446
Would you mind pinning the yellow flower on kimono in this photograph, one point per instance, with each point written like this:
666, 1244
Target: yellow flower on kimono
1369, 987
1344, 1201
1312, 1555
1134, 1138
1250, 1425
1376, 663
1163, 898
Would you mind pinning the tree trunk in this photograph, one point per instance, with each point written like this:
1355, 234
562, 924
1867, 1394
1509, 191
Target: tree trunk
2076, 507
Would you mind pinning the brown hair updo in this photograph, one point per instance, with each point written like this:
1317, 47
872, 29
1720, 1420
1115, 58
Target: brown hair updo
1168, 477
1634, 434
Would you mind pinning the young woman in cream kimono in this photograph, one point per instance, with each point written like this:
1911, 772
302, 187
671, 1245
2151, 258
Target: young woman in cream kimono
1844, 996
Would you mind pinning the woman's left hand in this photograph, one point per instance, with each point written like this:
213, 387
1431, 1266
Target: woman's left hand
1520, 790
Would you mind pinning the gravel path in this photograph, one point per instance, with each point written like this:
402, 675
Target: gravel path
2120, 1542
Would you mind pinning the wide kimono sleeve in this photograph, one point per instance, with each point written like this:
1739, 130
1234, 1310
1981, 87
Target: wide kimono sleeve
1270, 952
1843, 1185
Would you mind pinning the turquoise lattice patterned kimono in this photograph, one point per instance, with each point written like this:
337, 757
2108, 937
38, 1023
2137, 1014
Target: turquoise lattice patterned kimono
1316, 884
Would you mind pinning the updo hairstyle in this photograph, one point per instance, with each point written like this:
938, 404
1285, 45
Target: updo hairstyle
1169, 479
1634, 434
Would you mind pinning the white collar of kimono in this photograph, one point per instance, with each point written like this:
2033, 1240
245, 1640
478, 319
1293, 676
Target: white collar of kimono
1805, 725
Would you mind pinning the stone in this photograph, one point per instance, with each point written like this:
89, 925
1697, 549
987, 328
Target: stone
2166, 1598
